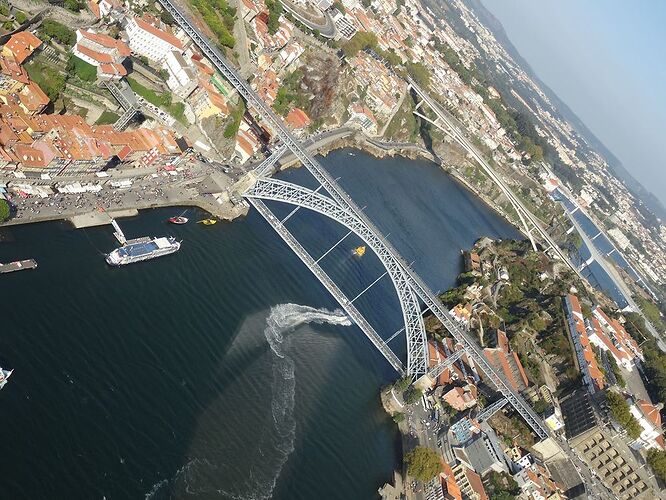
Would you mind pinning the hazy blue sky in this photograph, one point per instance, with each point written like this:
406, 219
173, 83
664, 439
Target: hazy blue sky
605, 60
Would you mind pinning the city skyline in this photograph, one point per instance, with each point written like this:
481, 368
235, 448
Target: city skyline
580, 54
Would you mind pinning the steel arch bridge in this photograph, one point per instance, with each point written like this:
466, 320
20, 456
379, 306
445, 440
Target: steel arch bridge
417, 349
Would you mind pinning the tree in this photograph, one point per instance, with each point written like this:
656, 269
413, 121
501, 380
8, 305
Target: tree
657, 460
72, 5
412, 395
166, 17
419, 73
619, 408
4, 210
57, 31
541, 406
423, 463
274, 13
360, 41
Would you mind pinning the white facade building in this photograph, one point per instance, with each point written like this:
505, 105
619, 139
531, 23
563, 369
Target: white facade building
149, 41
183, 76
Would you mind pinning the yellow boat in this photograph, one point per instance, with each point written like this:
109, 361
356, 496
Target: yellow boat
208, 222
359, 251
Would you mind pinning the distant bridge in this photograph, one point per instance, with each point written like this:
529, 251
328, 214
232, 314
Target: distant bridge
330, 200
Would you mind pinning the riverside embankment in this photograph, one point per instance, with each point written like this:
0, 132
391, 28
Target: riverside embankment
162, 376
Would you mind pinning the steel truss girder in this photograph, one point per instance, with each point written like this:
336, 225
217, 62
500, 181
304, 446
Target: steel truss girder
330, 285
277, 190
491, 410
338, 194
437, 370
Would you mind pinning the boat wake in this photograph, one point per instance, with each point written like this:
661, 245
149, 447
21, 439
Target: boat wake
283, 319
275, 446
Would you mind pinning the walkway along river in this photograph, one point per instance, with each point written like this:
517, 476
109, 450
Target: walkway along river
192, 373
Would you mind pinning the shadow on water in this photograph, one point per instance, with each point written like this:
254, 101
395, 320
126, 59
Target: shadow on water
126, 378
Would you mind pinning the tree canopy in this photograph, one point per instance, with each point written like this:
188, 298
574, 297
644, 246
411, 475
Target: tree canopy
619, 408
419, 73
57, 31
657, 460
4, 210
360, 41
422, 463
274, 13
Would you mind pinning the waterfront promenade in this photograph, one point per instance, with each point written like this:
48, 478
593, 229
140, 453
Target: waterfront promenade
196, 184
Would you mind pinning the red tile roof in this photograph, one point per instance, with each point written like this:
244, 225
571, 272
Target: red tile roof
100, 57
298, 119
22, 44
651, 412
167, 37
106, 41
33, 97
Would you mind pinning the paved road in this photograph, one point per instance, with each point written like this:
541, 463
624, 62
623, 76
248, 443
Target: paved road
326, 30
460, 135
617, 281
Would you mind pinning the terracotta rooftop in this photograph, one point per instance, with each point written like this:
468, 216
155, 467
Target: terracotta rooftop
107, 41
167, 37
22, 44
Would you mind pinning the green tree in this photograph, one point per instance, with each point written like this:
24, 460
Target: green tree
21, 17
411, 395
423, 463
619, 408
419, 73
54, 30
236, 116
657, 460
4, 210
360, 41
274, 13
541, 406
167, 18
72, 5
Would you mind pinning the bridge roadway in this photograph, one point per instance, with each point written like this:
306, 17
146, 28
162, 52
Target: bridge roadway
412, 283
455, 131
417, 352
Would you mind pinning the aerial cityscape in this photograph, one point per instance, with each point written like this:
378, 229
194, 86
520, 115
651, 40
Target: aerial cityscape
316, 249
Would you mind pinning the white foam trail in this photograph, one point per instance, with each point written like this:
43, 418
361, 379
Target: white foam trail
282, 319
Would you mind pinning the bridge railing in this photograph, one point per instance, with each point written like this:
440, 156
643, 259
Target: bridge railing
343, 199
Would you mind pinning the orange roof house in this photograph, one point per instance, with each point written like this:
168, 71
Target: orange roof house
506, 361
21, 46
297, 119
33, 99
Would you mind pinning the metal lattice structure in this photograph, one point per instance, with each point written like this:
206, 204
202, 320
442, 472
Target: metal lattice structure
276, 190
448, 124
339, 206
491, 410
330, 285
437, 370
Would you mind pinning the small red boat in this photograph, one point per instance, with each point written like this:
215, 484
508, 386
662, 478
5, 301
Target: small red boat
178, 220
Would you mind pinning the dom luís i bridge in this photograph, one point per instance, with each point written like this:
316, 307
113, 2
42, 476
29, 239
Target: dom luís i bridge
331, 201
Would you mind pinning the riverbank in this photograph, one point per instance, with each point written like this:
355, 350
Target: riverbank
208, 191
380, 149
124, 194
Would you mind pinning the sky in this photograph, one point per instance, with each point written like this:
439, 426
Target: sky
605, 60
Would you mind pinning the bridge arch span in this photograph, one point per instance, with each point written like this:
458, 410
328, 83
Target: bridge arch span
286, 192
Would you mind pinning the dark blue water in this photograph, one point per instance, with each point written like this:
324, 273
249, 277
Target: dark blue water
162, 379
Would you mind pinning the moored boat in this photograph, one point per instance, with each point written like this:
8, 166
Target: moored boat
139, 249
4, 376
359, 251
208, 222
178, 220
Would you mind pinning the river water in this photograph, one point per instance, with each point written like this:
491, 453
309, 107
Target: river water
225, 370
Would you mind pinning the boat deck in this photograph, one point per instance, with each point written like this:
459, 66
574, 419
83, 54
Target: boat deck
18, 265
